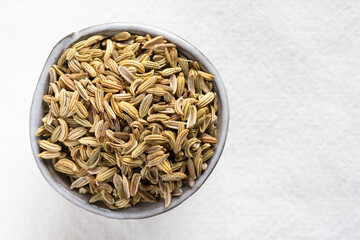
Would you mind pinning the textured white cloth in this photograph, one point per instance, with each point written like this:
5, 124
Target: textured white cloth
291, 166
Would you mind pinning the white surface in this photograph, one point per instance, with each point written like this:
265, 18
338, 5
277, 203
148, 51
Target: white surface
291, 167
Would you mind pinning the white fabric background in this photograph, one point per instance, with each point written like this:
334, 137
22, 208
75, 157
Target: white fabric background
291, 167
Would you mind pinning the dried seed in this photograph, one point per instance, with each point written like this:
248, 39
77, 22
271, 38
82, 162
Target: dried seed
208, 154
109, 110
180, 85
206, 76
122, 36
167, 195
67, 81
170, 71
129, 109
81, 110
151, 65
107, 197
145, 105
155, 139
89, 69
126, 189
105, 175
82, 122
180, 139
151, 43
173, 176
66, 166
55, 134
134, 185
132, 63
82, 92
207, 139
49, 155
126, 74
157, 160
158, 117
139, 149
92, 40
64, 130
99, 99
206, 99
80, 182
147, 197
157, 91
192, 117
173, 83
146, 84
49, 146
91, 141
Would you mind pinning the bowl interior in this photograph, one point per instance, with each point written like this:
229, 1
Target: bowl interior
61, 183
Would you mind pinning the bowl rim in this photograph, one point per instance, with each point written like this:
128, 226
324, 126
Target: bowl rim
123, 26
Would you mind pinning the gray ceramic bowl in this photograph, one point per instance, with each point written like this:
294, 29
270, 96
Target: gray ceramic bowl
61, 184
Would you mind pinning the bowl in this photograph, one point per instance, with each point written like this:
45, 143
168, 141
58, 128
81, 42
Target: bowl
60, 182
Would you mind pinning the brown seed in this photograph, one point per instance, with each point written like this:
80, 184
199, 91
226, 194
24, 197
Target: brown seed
132, 63
170, 71
145, 105
139, 149
147, 197
134, 185
99, 99
126, 74
49, 146
67, 81
206, 99
76, 133
129, 109
126, 187
64, 130
180, 139
66, 166
157, 160
89, 69
107, 197
145, 85
80, 182
167, 195
180, 85
192, 117
173, 176
155, 139
122, 36
105, 175
151, 43
82, 92
49, 155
